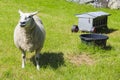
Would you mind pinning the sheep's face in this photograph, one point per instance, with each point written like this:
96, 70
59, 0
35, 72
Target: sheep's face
26, 18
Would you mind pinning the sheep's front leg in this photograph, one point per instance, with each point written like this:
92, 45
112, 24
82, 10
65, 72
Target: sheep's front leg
23, 59
37, 56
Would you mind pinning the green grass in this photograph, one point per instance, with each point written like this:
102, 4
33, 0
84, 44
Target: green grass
58, 17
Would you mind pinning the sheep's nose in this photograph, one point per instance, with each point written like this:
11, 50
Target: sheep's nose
22, 22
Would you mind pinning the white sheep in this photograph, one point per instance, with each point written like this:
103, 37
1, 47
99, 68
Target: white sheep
29, 35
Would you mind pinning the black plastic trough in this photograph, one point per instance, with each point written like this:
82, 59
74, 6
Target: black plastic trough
94, 39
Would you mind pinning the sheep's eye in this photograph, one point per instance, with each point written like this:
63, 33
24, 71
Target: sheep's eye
29, 16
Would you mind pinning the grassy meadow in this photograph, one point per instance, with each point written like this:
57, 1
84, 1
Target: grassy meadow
63, 57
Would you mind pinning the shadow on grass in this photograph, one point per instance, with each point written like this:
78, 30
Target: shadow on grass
94, 47
108, 47
51, 59
111, 30
106, 31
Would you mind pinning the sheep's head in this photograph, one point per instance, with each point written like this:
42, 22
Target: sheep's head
26, 18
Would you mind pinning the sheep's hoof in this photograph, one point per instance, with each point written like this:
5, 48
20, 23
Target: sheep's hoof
23, 66
38, 67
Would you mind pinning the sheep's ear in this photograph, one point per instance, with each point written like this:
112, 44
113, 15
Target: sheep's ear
20, 12
34, 13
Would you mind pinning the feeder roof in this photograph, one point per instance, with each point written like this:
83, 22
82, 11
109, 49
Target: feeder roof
92, 14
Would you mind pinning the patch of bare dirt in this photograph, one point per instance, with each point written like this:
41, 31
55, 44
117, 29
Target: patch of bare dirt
81, 59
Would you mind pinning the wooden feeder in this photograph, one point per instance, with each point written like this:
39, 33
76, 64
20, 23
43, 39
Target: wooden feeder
92, 20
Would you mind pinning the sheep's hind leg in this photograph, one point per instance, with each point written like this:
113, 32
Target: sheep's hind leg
23, 59
37, 56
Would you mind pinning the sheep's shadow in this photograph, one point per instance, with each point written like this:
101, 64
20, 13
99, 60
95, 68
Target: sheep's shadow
52, 59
